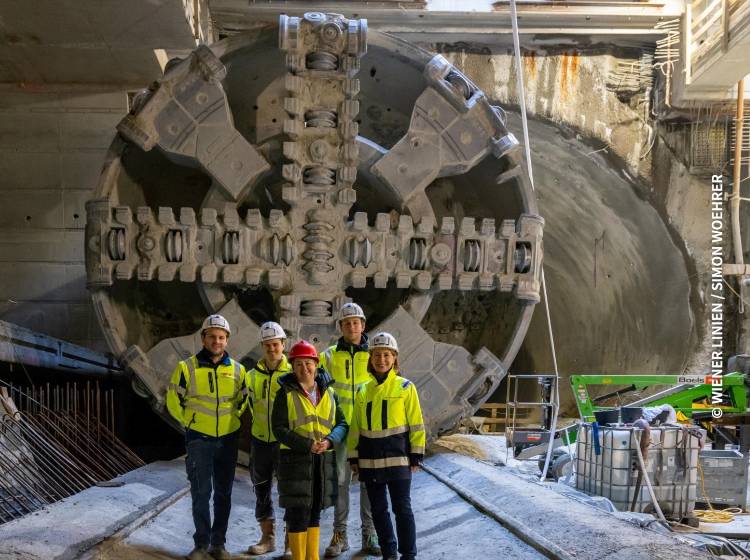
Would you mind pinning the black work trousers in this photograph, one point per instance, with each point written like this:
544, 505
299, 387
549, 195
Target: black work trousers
210, 465
298, 519
265, 461
400, 491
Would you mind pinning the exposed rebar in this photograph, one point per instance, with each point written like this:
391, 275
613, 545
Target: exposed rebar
55, 441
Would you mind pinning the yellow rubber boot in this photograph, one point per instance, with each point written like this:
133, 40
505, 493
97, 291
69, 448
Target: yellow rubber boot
313, 543
298, 544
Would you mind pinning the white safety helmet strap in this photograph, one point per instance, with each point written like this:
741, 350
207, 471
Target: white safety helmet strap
271, 330
384, 340
215, 322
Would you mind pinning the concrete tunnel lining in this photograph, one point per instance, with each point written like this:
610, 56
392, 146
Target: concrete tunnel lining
619, 285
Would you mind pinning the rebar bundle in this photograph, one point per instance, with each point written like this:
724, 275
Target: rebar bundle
54, 442
632, 76
745, 141
668, 47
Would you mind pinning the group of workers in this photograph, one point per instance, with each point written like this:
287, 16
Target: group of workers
316, 421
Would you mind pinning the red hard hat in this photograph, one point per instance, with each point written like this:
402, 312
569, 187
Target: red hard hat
303, 349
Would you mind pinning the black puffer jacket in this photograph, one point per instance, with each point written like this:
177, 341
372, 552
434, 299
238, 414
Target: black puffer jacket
296, 463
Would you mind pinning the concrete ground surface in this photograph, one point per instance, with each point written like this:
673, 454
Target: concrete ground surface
585, 533
66, 528
149, 517
447, 527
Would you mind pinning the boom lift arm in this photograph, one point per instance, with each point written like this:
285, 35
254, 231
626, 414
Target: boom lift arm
688, 393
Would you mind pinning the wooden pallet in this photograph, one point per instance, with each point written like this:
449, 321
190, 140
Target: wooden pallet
494, 421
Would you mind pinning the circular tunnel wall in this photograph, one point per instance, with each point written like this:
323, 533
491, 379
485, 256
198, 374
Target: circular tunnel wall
617, 277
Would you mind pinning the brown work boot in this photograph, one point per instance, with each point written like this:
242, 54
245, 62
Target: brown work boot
339, 543
267, 542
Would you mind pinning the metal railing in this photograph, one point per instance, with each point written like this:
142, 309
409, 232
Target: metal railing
537, 391
709, 25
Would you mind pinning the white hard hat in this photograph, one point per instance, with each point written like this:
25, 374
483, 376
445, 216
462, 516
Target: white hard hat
384, 340
215, 322
351, 310
270, 330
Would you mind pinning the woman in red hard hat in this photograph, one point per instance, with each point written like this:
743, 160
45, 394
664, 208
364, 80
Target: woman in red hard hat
307, 421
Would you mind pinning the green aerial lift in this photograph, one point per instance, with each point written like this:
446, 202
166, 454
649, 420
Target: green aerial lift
688, 394
691, 395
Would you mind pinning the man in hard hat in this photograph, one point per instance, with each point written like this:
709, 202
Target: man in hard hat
264, 449
207, 394
347, 362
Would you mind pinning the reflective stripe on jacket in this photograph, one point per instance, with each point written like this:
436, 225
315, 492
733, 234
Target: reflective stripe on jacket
208, 398
263, 388
387, 434
310, 421
347, 364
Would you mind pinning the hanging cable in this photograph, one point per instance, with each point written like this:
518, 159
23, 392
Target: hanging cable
556, 394
647, 480
521, 92
522, 102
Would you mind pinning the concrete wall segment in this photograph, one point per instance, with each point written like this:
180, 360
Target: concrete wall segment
73, 170
566, 86
79, 65
72, 321
615, 273
30, 281
53, 140
52, 145
685, 199
80, 170
42, 245
92, 131
32, 208
26, 170
30, 132
88, 41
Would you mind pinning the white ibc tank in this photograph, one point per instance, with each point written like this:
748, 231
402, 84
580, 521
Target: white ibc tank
612, 469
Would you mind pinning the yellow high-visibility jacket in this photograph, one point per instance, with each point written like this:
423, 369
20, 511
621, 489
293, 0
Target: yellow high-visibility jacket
206, 397
347, 364
386, 434
264, 385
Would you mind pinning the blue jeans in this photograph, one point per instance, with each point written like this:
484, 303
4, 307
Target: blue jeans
400, 491
210, 465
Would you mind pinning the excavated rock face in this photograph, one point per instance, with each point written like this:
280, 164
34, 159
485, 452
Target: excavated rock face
282, 173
